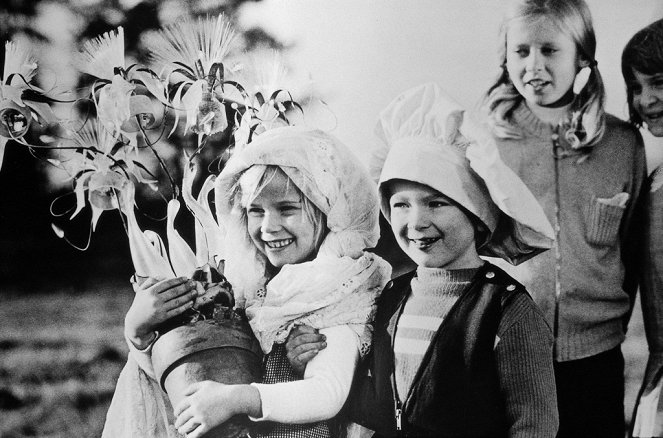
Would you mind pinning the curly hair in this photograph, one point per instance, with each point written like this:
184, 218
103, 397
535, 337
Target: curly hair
643, 53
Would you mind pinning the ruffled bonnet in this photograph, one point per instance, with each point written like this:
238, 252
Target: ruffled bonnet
340, 285
427, 138
325, 171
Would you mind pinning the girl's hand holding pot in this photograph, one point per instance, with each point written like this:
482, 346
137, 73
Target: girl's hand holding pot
208, 404
155, 302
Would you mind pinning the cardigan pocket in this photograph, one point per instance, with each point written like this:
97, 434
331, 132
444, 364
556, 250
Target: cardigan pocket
603, 217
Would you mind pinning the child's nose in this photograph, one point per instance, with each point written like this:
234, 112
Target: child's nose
419, 218
534, 61
648, 96
270, 223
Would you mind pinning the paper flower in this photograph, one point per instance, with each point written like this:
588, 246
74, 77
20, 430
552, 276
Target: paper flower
102, 166
193, 51
148, 252
118, 105
268, 100
20, 101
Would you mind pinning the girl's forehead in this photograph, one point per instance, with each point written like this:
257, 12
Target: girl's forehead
536, 29
279, 188
406, 187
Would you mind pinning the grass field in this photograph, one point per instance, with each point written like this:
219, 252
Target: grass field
61, 353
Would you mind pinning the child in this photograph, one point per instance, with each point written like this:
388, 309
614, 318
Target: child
586, 168
642, 67
299, 211
459, 348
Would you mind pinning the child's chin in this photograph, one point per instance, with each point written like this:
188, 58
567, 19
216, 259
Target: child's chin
656, 129
426, 262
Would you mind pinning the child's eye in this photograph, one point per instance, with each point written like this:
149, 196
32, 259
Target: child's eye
437, 204
289, 209
399, 205
254, 211
522, 52
548, 51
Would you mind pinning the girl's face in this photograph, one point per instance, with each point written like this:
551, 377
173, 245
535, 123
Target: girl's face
648, 100
431, 230
541, 61
278, 225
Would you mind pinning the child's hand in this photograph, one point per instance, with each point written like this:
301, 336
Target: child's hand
302, 345
155, 302
206, 405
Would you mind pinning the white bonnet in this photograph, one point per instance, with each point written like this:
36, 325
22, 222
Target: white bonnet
325, 171
426, 138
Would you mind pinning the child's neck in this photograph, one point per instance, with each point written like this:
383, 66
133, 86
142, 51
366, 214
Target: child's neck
549, 114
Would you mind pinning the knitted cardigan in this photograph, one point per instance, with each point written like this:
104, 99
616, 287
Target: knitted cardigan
586, 284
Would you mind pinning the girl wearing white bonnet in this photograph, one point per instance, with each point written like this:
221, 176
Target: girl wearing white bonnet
459, 347
472, 354
299, 210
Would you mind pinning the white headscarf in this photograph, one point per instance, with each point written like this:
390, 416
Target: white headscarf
427, 139
341, 284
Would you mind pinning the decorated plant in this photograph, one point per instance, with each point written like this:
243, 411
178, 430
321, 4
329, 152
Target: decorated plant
198, 85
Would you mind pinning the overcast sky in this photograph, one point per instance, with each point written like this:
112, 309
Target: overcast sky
361, 54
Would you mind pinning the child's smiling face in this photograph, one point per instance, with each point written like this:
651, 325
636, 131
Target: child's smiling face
430, 228
278, 224
541, 60
648, 100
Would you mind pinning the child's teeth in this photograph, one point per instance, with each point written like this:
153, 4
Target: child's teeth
279, 243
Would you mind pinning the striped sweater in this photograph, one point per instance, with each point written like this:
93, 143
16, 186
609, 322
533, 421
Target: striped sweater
434, 292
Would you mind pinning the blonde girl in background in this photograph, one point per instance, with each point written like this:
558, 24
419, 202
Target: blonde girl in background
299, 211
586, 168
642, 68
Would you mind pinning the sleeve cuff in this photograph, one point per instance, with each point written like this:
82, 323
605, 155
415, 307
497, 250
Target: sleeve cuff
265, 412
143, 357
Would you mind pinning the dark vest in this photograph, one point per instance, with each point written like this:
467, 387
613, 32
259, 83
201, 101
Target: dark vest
455, 392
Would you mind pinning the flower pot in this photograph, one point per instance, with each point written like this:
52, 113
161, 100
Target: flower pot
222, 349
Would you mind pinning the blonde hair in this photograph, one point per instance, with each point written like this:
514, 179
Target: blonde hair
587, 115
254, 180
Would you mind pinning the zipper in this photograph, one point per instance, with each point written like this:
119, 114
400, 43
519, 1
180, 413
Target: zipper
398, 406
398, 412
557, 156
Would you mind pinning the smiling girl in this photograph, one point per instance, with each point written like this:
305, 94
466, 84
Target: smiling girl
459, 348
642, 68
299, 211
587, 169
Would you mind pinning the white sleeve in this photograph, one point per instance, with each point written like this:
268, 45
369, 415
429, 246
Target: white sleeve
142, 357
325, 387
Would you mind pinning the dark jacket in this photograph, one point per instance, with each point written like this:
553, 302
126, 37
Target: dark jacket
456, 391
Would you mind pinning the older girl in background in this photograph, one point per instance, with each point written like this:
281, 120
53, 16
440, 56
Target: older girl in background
587, 169
299, 210
642, 67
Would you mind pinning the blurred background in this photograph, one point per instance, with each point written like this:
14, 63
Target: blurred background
61, 309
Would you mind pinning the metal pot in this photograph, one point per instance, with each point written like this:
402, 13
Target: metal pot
222, 349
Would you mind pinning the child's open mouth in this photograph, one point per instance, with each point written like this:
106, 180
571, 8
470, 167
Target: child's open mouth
537, 84
425, 242
277, 244
654, 117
